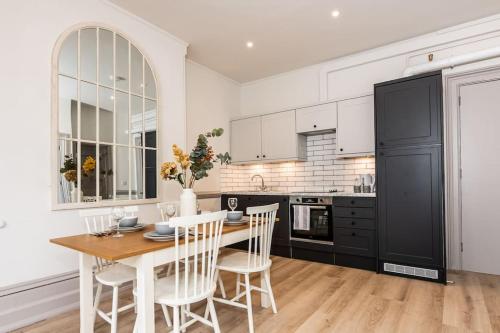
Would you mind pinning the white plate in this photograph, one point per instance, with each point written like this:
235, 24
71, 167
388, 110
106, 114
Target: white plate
152, 235
137, 227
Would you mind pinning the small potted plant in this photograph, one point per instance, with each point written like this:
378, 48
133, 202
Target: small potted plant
70, 173
188, 168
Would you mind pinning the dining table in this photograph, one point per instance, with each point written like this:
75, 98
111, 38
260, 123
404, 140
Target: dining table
144, 255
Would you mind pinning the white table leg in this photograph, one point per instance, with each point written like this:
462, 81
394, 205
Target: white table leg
86, 263
265, 302
145, 294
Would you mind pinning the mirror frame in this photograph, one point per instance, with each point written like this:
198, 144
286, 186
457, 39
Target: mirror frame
55, 165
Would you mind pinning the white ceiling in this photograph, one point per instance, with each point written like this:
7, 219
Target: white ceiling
289, 34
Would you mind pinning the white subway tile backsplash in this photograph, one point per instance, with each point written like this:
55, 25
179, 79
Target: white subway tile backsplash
321, 172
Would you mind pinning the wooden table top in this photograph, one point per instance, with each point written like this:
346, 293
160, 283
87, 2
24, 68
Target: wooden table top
130, 245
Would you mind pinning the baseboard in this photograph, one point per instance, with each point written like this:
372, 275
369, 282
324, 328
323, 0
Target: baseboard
30, 302
27, 303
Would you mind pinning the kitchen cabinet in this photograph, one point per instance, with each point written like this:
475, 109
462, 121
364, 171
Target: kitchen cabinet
280, 244
268, 138
409, 168
318, 118
246, 139
355, 127
354, 232
409, 111
279, 139
410, 206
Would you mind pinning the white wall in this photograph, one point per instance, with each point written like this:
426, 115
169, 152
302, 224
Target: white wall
354, 75
28, 31
212, 99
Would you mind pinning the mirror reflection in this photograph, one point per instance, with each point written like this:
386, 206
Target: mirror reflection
107, 119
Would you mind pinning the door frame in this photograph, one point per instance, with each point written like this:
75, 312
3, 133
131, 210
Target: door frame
453, 79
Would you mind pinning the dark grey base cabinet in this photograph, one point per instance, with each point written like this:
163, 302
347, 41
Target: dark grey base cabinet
323, 253
354, 232
280, 245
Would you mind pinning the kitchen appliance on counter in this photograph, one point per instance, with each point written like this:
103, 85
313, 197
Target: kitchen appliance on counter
316, 243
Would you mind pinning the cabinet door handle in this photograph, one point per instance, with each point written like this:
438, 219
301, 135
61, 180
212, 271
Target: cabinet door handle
263, 156
381, 154
341, 149
258, 156
314, 126
353, 213
381, 143
353, 234
353, 223
352, 202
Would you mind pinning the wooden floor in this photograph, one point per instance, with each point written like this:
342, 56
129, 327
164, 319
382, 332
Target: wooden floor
313, 297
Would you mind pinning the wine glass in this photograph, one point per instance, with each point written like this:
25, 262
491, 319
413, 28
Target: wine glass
232, 203
117, 213
170, 210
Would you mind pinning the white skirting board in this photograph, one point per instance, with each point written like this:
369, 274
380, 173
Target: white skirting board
34, 301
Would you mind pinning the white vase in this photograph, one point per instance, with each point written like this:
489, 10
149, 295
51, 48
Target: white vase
188, 202
74, 194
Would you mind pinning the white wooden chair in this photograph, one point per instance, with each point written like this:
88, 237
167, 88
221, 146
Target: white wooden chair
108, 273
192, 285
257, 259
162, 206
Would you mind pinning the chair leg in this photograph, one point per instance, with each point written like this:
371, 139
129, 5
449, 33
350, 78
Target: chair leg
183, 317
176, 320
167, 315
134, 286
97, 299
248, 292
238, 283
221, 285
270, 290
114, 311
213, 315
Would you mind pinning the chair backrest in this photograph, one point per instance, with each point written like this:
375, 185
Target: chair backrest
162, 206
96, 220
260, 230
200, 280
100, 220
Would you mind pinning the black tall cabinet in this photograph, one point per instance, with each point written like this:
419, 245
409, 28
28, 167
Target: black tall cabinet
409, 153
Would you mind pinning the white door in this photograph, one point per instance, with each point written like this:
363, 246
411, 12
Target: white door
246, 140
356, 127
279, 140
480, 163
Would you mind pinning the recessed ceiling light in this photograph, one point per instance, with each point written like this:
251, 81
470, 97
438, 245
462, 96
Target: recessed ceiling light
335, 13
249, 44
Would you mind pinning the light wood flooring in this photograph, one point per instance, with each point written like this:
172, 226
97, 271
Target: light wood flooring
313, 297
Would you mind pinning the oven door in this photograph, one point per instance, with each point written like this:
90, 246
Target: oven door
321, 224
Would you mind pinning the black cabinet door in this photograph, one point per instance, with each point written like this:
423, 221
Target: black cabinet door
409, 111
410, 205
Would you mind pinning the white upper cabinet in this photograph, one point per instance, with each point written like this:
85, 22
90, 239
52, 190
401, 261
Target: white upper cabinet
246, 140
356, 127
279, 140
268, 138
317, 118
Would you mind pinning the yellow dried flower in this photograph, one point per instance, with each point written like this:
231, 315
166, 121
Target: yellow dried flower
181, 157
168, 170
89, 165
70, 175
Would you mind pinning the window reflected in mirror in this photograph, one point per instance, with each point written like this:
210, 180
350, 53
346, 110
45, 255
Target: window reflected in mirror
106, 120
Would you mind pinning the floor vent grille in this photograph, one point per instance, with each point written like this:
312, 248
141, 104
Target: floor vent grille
409, 270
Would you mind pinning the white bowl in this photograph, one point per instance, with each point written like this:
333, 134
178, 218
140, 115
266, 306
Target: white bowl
128, 221
163, 228
235, 215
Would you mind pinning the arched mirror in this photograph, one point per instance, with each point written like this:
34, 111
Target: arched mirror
106, 120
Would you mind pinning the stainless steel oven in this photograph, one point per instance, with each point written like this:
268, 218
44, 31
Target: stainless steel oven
320, 219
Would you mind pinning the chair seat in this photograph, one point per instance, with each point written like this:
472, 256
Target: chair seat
116, 275
165, 290
238, 262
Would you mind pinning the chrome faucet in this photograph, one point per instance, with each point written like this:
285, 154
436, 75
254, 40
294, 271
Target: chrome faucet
262, 187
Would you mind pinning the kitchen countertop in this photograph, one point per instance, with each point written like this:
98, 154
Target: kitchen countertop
310, 194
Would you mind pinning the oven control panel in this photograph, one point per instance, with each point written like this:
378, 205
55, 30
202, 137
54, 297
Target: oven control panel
311, 200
